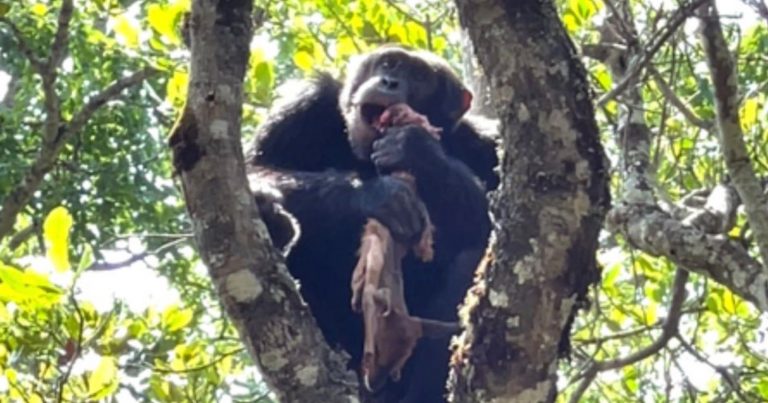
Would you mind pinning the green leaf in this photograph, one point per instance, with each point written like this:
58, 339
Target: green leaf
603, 77
4, 9
609, 278
176, 89
164, 20
125, 30
39, 9
27, 288
571, 23
303, 60
86, 260
102, 382
175, 318
56, 232
729, 302
345, 47
748, 113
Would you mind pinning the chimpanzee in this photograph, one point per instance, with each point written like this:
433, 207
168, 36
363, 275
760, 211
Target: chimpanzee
321, 152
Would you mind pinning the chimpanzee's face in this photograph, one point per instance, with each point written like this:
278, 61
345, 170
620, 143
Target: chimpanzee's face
395, 75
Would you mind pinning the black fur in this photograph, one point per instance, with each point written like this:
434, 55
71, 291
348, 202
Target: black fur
303, 151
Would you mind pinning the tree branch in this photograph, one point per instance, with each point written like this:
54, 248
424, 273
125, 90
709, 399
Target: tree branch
759, 6
725, 261
259, 294
727, 376
55, 137
668, 330
647, 227
675, 100
718, 214
724, 78
656, 43
61, 39
26, 49
110, 93
105, 266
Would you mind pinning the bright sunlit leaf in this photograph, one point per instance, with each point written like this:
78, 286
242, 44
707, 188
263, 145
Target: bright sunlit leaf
39, 9
749, 113
729, 302
303, 60
27, 288
176, 89
56, 232
571, 23
175, 318
163, 19
126, 31
102, 382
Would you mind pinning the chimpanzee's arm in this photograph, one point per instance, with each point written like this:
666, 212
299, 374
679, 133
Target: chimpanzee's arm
305, 131
333, 204
454, 197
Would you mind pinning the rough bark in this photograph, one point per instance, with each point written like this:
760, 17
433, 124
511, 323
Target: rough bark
259, 295
548, 209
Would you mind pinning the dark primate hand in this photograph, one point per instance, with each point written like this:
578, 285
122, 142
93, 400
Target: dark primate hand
392, 201
409, 148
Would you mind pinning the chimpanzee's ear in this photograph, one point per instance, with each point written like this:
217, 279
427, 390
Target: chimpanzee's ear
457, 99
434, 329
466, 101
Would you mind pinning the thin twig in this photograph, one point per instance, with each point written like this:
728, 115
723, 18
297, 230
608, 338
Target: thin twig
675, 100
111, 92
61, 40
675, 22
759, 6
104, 266
64, 378
191, 369
53, 144
668, 330
727, 376
24, 46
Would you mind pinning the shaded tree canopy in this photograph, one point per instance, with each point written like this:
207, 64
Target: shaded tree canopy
103, 295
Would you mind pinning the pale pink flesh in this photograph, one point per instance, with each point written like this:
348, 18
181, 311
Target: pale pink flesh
400, 115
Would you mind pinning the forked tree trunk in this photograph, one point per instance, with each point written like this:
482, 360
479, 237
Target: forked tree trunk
548, 209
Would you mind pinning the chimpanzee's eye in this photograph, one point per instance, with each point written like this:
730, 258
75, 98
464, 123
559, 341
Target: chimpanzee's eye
388, 63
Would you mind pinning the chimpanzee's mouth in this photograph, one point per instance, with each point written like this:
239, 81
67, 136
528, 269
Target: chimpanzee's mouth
371, 112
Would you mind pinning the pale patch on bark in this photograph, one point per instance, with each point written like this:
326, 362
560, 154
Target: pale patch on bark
558, 125
307, 375
523, 115
524, 268
273, 360
498, 299
219, 129
243, 286
225, 94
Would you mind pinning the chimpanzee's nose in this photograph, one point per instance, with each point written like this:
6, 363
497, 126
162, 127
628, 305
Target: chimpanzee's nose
389, 83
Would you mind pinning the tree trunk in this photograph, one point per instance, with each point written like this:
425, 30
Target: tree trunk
259, 294
548, 209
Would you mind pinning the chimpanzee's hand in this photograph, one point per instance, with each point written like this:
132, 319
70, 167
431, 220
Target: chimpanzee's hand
409, 148
393, 202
